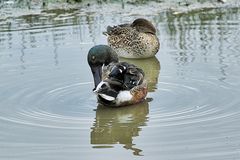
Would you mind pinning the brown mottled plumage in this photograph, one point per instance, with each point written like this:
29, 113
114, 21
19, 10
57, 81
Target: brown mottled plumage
136, 40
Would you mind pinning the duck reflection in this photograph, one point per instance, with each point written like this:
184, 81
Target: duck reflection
119, 125
151, 68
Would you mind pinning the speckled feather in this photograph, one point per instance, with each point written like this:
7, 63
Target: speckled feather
136, 40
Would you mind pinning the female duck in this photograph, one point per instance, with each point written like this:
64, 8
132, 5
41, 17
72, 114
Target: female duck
136, 40
116, 83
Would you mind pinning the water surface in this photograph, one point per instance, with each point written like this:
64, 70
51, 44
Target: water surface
47, 109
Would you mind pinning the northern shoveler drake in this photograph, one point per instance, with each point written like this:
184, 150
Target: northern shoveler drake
116, 83
135, 40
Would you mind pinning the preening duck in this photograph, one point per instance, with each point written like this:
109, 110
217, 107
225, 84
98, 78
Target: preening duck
135, 40
116, 83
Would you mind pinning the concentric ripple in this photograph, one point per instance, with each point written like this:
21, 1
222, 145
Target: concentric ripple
58, 106
194, 118
194, 101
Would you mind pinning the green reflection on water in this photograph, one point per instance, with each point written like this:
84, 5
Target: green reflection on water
119, 125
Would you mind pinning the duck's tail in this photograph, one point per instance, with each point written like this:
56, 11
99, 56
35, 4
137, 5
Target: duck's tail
109, 30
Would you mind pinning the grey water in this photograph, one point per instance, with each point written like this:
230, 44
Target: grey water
48, 110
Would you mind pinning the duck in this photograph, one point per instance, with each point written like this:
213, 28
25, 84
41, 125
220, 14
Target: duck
135, 40
115, 83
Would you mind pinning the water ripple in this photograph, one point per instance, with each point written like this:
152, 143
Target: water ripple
203, 101
56, 108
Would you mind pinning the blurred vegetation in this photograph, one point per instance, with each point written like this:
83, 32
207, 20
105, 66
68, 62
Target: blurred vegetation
104, 1
47, 4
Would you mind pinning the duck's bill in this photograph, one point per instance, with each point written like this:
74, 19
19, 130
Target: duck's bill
97, 75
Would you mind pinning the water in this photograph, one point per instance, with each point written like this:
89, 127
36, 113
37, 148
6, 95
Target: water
47, 109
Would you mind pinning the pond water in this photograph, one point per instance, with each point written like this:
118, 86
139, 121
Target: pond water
48, 110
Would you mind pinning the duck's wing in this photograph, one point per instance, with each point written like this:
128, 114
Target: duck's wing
105, 92
108, 92
117, 30
114, 73
122, 75
133, 77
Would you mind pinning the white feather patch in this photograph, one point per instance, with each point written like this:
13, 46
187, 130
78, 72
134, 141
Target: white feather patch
123, 96
107, 97
99, 86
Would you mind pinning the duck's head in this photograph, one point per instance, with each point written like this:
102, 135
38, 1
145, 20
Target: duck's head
99, 56
143, 25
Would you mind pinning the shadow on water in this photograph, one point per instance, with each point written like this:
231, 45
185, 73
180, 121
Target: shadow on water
119, 125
